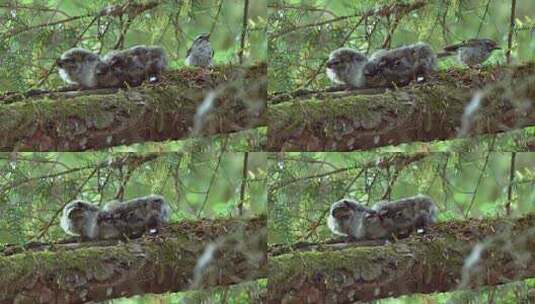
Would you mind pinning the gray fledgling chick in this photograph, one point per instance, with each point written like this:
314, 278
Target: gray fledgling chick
133, 65
385, 220
400, 65
346, 66
347, 217
107, 76
83, 219
137, 216
150, 61
474, 51
119, 66
201, 52
79, 218
77, 66
401, 217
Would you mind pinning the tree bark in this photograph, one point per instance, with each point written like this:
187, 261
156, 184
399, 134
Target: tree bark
96, 271
170, 110
432, 262
434, 110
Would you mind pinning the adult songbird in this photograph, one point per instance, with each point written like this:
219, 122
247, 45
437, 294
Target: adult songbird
346, 66
474, 51
201, 52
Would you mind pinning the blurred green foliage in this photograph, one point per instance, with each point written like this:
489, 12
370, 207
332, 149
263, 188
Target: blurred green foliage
33, 34
245, 293
513, 293
303, 33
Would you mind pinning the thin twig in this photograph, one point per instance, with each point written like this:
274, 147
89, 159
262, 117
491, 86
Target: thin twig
383, 11
36, 8
387, 43
480, 179
16, 32
511, 183
29, 179
483, 18
392, 180
511, 30
214, 22
445, 29
244, 30
306, 8
285, 183
119, 44
243, 183
212, 180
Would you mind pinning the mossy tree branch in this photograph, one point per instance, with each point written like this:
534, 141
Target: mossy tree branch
345, 273
76, 121
95, 271
426, 112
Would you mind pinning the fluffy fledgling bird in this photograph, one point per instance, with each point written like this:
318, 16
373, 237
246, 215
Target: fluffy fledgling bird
149, 61
139, 215
83, 219
77, 66
384, 220
134, 65
345, 66
400, 65
401, 217
201, 52
129, 219
347, 217
473, 52
107, 75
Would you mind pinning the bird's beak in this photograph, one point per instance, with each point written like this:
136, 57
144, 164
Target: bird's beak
59, 62
496, 48
330, 64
